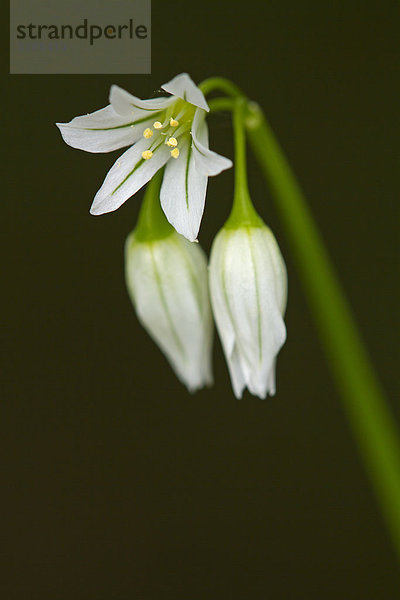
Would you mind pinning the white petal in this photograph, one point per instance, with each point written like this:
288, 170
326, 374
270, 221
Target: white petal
167, 280
271, 379
268, 245
207, 161
183, 192
222, 314
218, 294
103, 130
124, 103
183, 87
236, 373
240, 299
128, 174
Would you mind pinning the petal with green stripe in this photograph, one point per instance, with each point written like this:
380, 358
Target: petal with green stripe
128, 174
183, 192
104, 130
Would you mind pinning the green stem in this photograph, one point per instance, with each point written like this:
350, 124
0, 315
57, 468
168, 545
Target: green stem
220, 83
367, 410
218, 104
152, 223
243, 212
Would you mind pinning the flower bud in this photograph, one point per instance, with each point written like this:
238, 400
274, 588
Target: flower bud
248, 286
167, 283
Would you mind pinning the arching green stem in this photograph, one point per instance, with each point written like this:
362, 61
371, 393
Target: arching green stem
364, 402
218, 104
220, 83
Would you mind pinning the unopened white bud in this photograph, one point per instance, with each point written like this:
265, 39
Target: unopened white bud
248, 286
168, 285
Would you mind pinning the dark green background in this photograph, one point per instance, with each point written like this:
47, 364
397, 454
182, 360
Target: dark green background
121, 484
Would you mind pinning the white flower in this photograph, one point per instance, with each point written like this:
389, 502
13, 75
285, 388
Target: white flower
168, 130
248, 286
168, 286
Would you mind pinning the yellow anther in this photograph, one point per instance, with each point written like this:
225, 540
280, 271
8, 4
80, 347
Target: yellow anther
157, 125
147, 154
172, 142
147, 133
173, 122
175, 153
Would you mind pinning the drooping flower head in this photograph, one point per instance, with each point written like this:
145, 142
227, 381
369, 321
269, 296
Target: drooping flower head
166, 274
169, 131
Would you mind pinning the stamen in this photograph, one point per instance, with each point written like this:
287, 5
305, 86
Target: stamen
157, 125
172, 142
175, 153
173, 122
147, 133
147, 154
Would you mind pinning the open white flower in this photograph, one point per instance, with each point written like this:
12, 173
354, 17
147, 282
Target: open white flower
160, 130
168, 286
248, 294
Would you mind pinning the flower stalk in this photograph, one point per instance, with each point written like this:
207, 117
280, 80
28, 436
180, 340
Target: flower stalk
363, 399
243, 212
152, 224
